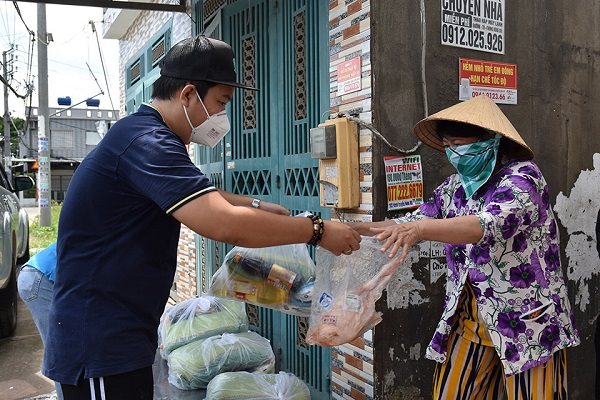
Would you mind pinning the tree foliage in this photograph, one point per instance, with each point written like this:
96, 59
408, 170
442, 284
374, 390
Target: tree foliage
14, 134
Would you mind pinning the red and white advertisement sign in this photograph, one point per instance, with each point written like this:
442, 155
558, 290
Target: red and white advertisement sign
349, 76
404, 180
496, 80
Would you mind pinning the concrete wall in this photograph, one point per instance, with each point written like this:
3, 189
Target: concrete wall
556, 46
349, 37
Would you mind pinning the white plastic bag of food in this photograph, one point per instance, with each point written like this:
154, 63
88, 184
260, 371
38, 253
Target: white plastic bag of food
280, 277
346, 289
199, 318
192, 366
253, 386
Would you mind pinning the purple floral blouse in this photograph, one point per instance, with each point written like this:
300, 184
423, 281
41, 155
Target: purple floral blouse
514, 269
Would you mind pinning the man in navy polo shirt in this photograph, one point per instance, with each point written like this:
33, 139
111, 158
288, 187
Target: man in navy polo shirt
119, 227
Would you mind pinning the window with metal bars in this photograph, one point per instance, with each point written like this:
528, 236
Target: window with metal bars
135, 71
158, 51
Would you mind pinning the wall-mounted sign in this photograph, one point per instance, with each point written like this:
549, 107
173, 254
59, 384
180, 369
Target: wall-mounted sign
474, 24
404, 179
496, 80
349, 76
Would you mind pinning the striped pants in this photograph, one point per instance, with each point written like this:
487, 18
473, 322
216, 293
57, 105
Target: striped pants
474, 372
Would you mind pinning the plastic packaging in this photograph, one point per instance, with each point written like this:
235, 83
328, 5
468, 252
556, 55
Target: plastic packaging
280, 277
252, 386
199, 318
346, 290
192, 366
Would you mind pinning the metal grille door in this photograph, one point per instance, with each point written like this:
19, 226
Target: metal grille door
281, 48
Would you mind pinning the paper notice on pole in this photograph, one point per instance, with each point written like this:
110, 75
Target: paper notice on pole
349, 76
404, 180
496, 80
476, 25
437, 269
41, 127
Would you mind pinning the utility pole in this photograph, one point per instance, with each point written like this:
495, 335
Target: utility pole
44, 181
7, 160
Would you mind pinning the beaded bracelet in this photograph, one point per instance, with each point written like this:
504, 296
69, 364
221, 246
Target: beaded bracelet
318, 227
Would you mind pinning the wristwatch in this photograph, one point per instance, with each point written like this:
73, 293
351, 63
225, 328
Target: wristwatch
255, 203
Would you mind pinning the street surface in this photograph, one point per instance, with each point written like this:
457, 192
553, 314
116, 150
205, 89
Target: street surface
20, 360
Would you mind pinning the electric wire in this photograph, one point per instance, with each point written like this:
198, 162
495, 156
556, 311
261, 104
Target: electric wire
53, 121
370, 127
6, 24
103, 67
21, 16
383, 138
8, 85
94, 76
19, 134
423, 53
59, 62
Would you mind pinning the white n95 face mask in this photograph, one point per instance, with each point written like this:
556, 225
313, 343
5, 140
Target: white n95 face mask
211, 131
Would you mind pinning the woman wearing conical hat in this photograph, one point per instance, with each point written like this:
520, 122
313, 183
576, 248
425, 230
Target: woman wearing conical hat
507, 320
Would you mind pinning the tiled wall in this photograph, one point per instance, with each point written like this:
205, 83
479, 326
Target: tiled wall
142, 29
349, 37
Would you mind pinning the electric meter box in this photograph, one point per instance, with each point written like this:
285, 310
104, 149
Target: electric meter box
323, 142
338, 169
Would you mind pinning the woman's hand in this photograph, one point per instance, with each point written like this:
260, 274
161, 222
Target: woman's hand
399, 237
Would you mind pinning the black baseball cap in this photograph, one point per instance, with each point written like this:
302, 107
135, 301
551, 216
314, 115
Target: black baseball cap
201, 59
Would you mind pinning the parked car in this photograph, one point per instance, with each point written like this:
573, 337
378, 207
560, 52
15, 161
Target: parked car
14, 246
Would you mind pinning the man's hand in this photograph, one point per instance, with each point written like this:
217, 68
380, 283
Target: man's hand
273, 208
339, 238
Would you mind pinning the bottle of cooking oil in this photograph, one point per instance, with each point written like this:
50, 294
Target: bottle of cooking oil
260, 282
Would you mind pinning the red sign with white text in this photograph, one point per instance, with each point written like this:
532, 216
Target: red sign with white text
496, 80
349, 76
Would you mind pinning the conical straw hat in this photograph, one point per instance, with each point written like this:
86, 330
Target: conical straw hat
480, 111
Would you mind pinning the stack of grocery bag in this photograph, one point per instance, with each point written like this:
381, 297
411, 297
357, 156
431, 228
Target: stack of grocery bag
206, 340
204, 337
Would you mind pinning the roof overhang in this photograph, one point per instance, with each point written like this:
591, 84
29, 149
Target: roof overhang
126, 5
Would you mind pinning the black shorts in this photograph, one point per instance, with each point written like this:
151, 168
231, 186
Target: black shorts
134, 385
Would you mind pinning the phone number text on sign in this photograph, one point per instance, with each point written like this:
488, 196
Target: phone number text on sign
473, 24
493, 96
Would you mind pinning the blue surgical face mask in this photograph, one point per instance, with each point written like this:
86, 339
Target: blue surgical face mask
474, 162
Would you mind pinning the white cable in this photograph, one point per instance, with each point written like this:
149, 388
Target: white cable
423, 50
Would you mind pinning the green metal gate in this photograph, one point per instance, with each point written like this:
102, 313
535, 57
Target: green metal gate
281, 47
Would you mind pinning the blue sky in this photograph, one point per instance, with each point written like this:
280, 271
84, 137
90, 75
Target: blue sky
74, 45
